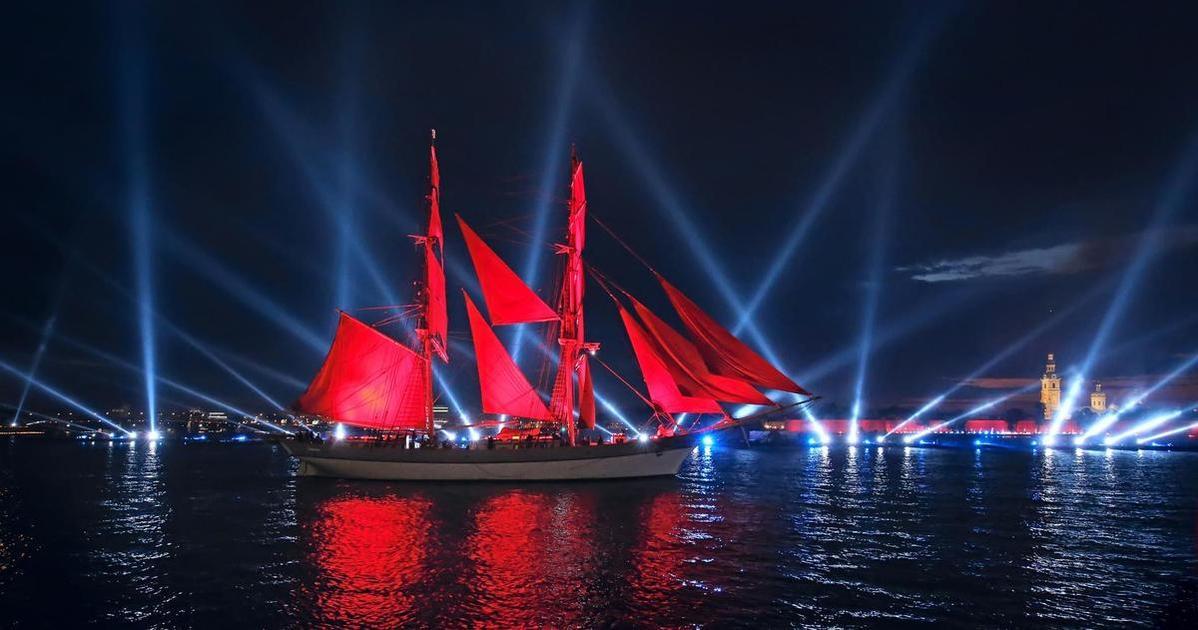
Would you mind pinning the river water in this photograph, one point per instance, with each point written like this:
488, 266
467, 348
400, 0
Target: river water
203, 535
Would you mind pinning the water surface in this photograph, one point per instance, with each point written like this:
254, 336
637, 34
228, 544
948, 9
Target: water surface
206, 535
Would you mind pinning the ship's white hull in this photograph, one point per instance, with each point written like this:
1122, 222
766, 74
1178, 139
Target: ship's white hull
359, 463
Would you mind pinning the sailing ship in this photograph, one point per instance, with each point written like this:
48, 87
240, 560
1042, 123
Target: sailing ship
384, 385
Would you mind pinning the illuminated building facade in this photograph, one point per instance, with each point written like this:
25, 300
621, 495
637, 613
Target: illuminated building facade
1098, 399
1050, 388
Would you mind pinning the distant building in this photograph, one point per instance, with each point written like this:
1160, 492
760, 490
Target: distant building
1098, 399
1050, 388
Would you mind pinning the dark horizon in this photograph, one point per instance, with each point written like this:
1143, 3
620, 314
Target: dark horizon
976, 174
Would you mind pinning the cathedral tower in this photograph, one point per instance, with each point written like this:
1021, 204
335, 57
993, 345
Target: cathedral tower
1050, 389
1098, 399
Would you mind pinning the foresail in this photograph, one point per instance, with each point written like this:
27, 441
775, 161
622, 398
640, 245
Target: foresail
508, 299
723, 353
686, 365
438, 316
663, 390
504, 388
369, 380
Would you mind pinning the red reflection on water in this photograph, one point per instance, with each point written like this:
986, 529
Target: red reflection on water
531, 552
508, 546
370, 553
658, 557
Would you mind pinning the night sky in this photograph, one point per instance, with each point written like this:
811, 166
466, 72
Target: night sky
977, 172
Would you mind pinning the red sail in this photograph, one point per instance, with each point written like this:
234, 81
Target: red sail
685, 364
508, 299
663, 390
435, 232
504, 388
724, 353
572, 333
438, 318
369, 380
578, 208
586, 394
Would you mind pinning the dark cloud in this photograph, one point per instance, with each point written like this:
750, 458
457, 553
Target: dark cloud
1066, 258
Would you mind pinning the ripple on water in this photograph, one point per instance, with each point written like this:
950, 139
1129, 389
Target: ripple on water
183, 535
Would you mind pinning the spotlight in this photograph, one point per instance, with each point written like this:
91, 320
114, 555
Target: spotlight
922, 410
60, 396
153, 435
1168, 433
708, 440
643, 437
552, 167
1147, 425
1173, 196
339, 432
882, 440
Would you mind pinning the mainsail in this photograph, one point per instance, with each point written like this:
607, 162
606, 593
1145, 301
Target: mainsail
508, 299
369, 380
504, 388
723, 353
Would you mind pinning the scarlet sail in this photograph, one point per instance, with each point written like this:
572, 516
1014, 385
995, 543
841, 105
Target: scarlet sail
504, 388
435, 232
663, 389
572, 332
586, 394
437, 315
508, 299
722, 351
685, 364
369, 380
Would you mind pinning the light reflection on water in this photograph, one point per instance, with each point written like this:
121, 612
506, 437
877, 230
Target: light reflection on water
173, 535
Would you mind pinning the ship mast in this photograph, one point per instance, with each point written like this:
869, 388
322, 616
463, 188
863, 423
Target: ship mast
429, 331
572, 333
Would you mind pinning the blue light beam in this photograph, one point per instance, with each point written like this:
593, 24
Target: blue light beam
137, 182
889, 93
61, 396
873, 291
551, 169
1150, 424
1176, 191
47, 331
976, 410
